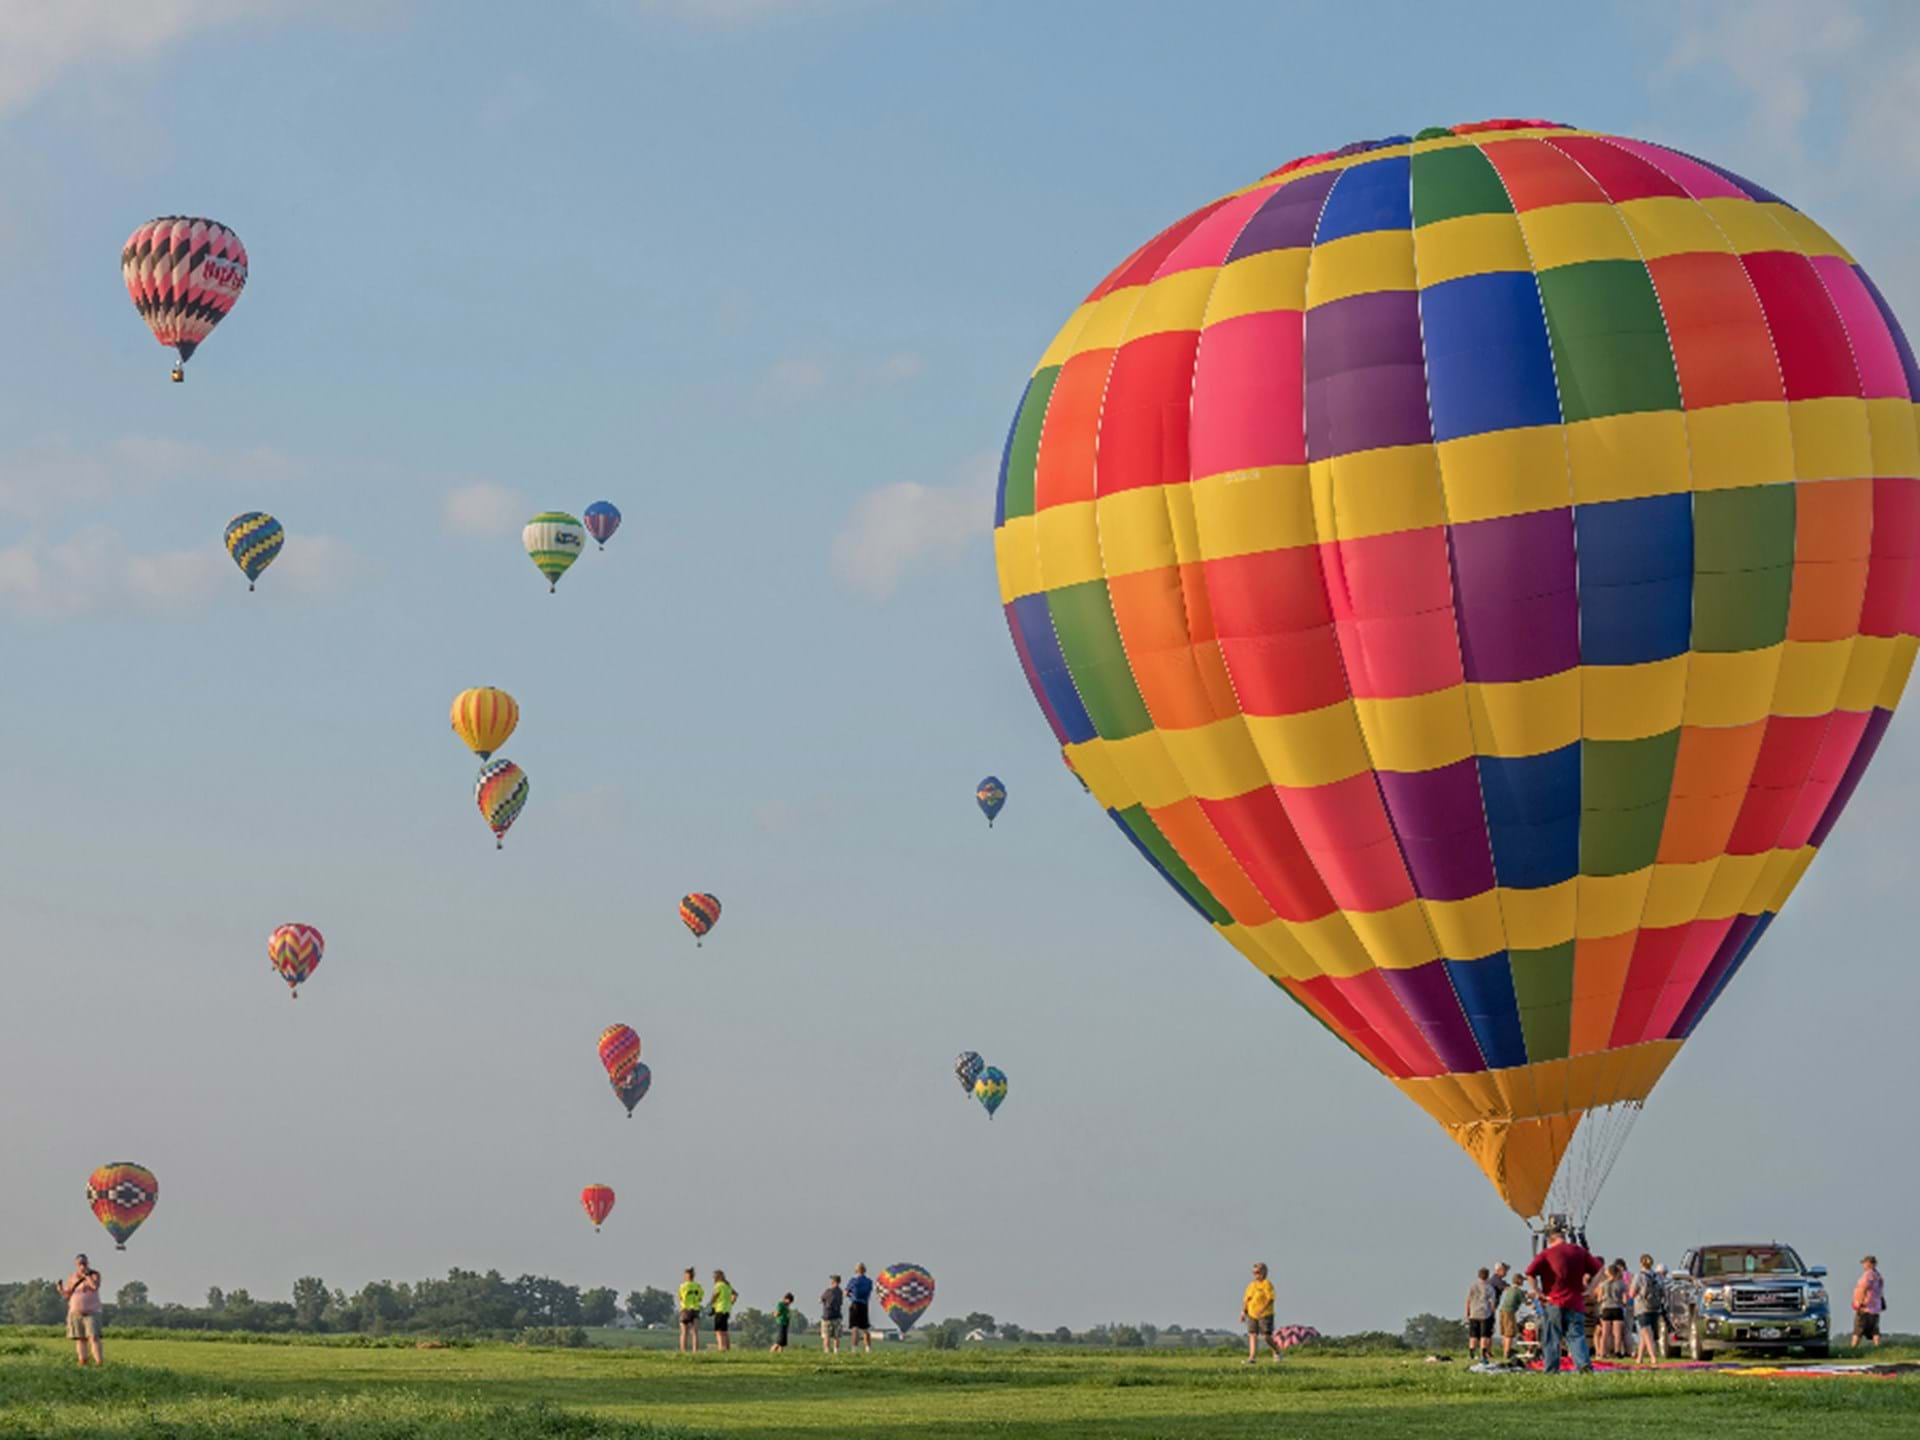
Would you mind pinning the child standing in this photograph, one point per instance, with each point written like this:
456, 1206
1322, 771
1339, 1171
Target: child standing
782, 1320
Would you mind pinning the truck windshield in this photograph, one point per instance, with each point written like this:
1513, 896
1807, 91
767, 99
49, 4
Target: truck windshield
1749, 1260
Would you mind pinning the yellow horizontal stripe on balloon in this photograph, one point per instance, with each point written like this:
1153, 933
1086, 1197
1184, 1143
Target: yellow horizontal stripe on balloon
1214, 762
1733, 881
1398, 938
1273, 950
1573, 234
1312, 747
1664, 225
1516, 718
1376, 492
1068, 548
1271, 280
1896, 437
1504, 472
1016, 556
1749, 227
1468, 245
1731, 446
1150, 527
1868, 665
1730, 688
1092, 763
1467, 929
1806, 233
1628, 457
1675, 894
1249, 512
1102, 323
1831, 439
1538, 918
1775, 881
1811, 675
1897, 671
1631, 702
1790, 879
1360, 265
1061, 346
1173, 302
1610, 904
1417, 732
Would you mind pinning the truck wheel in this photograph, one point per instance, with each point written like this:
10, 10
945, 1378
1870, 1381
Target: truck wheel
1697, 1347
1669, 1343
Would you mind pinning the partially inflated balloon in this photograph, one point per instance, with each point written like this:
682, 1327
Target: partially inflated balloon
602, 520
632, 1087
597, 1201
184, 275
554, 541
619, 1049
501, 791
484, 718
905, 1293
990, 1088
700, 913
294, 951
253, 539
122, 1195
1475, 570
992, 798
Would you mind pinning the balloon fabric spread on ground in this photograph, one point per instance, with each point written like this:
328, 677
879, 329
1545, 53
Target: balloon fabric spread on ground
122, 1195
1475, 570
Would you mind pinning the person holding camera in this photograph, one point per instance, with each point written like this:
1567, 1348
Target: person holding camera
81, 1290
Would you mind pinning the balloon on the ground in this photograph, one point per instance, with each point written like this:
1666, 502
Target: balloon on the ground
253, 539
967, 1068
122, 1195
700, 913
294, 951
631, 1085
597, 1201
1475, 570
184, 274
1288, 1336
619, 1049
554, 540
905, 1293
992, 796
501, 791
483, 718
603, 518
990, 1089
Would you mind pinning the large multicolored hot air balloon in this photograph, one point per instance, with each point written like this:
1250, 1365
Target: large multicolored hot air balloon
905, 1293
700, 913
554, 541
253, 539
967, 1069
184, 275
483, 719
990, 1088
992, 797
294, 951
501, 792
1475, 570
602, 519
122, 1195
631, 1086
597, 1201
619, 1049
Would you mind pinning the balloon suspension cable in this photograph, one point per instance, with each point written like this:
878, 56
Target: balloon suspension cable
1590, 1157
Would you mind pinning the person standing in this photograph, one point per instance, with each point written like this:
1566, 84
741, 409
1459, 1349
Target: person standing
691, 1298
830, 1302
1480, 1303
1498, 1280
1562, 1270
782, 1322
722, 1311
1256, 1313
1509, 1309
1869, 1301
1649, 1300
81, 1291
1613, 1309
859, 1294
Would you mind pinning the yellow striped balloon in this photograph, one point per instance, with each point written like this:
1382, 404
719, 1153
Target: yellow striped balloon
483, 718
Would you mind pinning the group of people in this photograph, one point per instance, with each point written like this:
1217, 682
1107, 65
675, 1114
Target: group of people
851, 1302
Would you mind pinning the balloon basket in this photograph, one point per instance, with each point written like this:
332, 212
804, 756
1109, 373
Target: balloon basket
119, 1244
178, 375
250, 587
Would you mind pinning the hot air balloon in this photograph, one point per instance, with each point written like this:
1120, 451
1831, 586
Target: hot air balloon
184, 275
597, 1201
602, 520
700, 913
990, 1089
1288, 1336
294, 951
967, 1069
501, 791
619, 1049
631, 1086
554, 541
905, 1293
1287, 534
484, 718
253, 539
992, 796
122, 1195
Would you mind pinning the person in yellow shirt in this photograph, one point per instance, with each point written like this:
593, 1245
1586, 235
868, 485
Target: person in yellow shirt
1256, 1311
691, 1298
722, 1310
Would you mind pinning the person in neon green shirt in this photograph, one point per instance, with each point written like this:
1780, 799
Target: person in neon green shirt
722, 1310
691, 1296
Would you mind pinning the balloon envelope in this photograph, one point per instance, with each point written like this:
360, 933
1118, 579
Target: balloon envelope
295, 951
619, 1049
992, 796
700, 913
632, 1084
990, 1089
122, 1195
553, 541
184, 274
501, 792
602, 520
1473, 570
483, 718
253, 539
967, 1069
905, 1292
597, 1201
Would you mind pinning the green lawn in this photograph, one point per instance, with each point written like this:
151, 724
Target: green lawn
189, 1389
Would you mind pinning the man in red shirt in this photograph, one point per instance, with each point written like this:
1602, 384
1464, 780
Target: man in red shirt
1562, 1270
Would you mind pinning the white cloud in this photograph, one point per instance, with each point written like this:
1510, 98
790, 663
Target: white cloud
41, 481
735, 14
899, 368
907, 525
796, 377
809, 375
1777, 51
316, 565
483, 508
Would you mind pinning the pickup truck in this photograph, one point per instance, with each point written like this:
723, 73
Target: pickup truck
1749, 1297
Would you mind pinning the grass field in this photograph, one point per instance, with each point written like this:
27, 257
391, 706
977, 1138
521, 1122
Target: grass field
189, 1389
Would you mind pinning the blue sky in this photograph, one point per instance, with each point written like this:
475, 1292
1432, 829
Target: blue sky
770, 277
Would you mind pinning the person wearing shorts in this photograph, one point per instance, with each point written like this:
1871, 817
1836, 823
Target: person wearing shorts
831, 1299
1613, 1310
691, 1298
82, 1292
1480, 1303
1507, 1312
859, 1295
1256, 1312
1869, 1301
723, 1298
